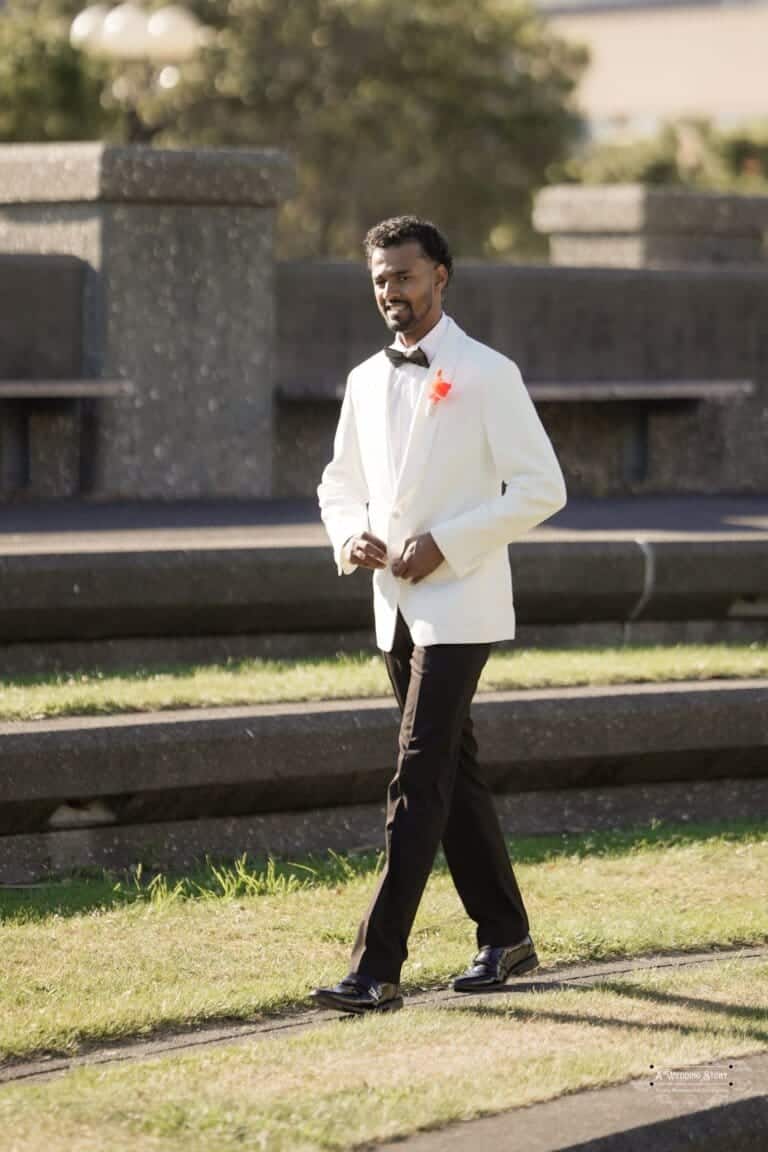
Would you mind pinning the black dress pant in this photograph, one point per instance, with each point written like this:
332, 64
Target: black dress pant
437, 795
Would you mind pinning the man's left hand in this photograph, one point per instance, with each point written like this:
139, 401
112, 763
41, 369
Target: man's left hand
419, 558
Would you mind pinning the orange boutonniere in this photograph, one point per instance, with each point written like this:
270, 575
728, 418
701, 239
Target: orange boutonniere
440, 388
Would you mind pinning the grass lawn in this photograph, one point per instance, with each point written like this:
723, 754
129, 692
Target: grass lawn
349, 1082
96, 958
345, 677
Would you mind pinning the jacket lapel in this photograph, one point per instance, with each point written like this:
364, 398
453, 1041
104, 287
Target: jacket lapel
427, 415
375, 412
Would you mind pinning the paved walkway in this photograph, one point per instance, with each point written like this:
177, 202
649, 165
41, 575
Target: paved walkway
270, 523
720, 1106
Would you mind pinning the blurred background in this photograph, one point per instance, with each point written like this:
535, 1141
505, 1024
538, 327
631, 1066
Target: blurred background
458, 111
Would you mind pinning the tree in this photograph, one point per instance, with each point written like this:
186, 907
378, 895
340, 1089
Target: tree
47, 90
692, 153
430, 106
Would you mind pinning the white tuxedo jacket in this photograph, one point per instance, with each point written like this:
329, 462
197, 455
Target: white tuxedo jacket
459, 451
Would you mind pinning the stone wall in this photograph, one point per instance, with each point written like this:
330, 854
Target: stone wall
558, 324
238, 365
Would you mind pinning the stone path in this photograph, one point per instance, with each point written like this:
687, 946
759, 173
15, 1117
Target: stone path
217, 1034
719, 1106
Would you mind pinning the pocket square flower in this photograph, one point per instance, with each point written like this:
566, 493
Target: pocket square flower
440, 388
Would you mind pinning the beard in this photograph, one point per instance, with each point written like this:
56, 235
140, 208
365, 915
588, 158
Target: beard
401, 319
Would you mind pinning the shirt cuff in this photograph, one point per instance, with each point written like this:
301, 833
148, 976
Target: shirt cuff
346, 567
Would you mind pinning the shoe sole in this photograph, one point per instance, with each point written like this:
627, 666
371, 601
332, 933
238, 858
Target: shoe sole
358, 1009
519, 969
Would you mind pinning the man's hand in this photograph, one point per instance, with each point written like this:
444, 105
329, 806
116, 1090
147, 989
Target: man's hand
419, 558
367, 551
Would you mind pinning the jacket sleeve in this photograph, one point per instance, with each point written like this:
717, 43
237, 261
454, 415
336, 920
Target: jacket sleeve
343, 492
524, 460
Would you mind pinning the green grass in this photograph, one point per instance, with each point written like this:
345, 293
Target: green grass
100, 958
350, 1083
363, 675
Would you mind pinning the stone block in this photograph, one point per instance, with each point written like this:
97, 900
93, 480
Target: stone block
178, 299
654, 250
707, 579
98, 172
576, 580
176, 592
636, 225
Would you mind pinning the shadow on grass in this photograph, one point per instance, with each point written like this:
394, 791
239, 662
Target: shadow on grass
752, 1021
83, 892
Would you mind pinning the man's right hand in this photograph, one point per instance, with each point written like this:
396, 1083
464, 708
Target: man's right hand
366, 550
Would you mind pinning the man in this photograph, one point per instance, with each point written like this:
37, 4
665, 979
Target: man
439, 462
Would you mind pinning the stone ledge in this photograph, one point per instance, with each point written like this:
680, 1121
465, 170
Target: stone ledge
602, 209
197, 588
67, 173
180, 845
238, 761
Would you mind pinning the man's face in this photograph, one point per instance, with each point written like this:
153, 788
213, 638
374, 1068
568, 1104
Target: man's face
409, 289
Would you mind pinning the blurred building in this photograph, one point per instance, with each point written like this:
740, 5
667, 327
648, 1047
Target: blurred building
652, 62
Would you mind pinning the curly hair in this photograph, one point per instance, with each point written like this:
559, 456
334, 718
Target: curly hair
400, 229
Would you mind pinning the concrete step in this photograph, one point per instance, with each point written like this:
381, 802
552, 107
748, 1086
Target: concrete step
234, 763
260, 570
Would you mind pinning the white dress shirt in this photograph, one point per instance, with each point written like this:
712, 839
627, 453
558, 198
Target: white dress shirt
405, 384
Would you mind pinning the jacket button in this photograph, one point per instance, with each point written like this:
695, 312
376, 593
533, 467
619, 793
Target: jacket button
396, 514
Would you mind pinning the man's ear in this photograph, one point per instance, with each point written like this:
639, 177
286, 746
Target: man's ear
441, 276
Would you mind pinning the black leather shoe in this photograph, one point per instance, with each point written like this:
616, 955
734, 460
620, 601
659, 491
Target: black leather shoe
492, 967
359, 994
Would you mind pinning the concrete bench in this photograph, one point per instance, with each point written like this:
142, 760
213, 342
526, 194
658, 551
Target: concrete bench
639, 391
41, 433
644, 377
49, 388
584, 391
642, 396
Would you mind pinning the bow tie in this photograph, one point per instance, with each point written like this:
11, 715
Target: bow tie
397, 357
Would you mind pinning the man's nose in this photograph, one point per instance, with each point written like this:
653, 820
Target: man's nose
389, 290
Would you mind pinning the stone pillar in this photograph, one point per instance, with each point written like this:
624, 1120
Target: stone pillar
649, 226
179, 299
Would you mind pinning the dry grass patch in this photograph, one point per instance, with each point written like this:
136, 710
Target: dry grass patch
348, 677
138, 958
357, 1081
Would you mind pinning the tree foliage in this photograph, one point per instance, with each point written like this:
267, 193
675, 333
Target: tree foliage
47, 90
438, 107
693, 153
